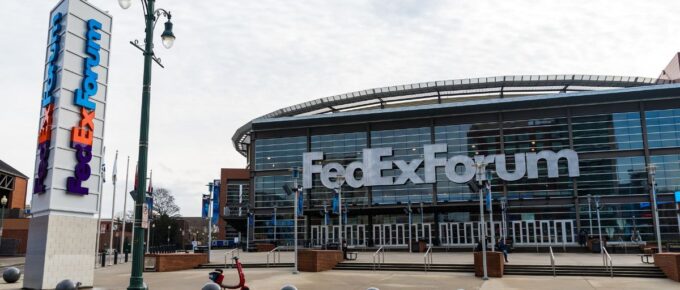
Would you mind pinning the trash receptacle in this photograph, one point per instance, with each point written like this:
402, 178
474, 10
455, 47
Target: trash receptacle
422, 246
595, 246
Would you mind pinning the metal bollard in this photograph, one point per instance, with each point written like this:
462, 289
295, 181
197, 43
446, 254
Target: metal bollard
115, 258
126, 257
103, 259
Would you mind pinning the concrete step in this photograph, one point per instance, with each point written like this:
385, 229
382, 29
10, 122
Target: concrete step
537, 270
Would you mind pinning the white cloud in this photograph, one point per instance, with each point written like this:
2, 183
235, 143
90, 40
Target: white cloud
236, 60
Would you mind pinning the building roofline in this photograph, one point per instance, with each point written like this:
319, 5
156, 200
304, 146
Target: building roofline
445, 92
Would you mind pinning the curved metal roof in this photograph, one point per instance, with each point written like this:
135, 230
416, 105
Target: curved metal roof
445, 92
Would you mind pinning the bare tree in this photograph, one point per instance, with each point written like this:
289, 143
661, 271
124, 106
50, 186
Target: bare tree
164, 203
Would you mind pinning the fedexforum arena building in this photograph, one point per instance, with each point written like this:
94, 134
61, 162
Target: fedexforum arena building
556, 150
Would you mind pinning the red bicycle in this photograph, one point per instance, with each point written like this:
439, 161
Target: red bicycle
217, 276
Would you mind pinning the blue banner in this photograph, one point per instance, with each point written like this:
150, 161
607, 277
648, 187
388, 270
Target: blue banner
205, 207
301, 202
344, 213
251, 219
677, 196
335, 201
216, 202
273, 219
149, 203
488, 197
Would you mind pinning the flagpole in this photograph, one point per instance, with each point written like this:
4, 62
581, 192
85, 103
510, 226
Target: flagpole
122, 236
113, 205
102, 177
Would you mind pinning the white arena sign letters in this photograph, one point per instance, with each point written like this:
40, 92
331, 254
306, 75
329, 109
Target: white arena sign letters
372, 165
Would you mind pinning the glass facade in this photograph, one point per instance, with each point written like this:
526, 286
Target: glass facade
342, 148
663, 128
406, 144
279, 153
613, 162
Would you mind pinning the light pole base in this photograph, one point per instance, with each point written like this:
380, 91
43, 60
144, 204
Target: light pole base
142, 287
485, 278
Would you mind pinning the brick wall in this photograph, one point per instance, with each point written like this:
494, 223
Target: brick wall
318, 260
178, 261
495, 264
669, 264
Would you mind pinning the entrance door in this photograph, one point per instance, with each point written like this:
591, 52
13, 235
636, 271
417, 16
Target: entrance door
336, 234
349, 235
379, 235
316, 240
546, 237
468, 233
361, 235
427, 233
388, 233
444, 233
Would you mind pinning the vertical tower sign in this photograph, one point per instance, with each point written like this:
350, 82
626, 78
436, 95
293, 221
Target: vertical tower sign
67, 181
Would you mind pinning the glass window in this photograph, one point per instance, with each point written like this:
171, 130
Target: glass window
406, 144
607, 132
237, 196
342, 148
663, 128
612, 176
269, 191
535, 135
667, 173
279, 153
469, 140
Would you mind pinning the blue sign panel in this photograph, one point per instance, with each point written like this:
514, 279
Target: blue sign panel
216, 203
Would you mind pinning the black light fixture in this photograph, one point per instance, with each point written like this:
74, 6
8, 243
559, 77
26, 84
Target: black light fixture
167, 36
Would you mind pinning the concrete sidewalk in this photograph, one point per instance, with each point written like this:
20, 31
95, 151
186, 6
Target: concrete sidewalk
117, 278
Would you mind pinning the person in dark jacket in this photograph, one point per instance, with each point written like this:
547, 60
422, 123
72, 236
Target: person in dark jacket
503, 248
344, 249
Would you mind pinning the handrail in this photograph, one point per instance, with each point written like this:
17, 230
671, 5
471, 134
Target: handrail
427, 258
238, 252
276, 252
380, 253
607, 261
552, 262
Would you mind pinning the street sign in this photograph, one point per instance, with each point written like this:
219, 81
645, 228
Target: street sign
145, 216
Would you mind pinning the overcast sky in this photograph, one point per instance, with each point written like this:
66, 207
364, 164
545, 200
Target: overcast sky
236, 60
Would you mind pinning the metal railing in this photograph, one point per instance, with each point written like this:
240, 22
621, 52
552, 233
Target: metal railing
231, 252
607, 261
275, 252
380, 255
427, 258
552, 262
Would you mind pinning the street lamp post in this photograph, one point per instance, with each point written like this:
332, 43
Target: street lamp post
655, 207
590, 215
599, 223
168, 235
482, 224
151, 15
3, 203
340, 180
